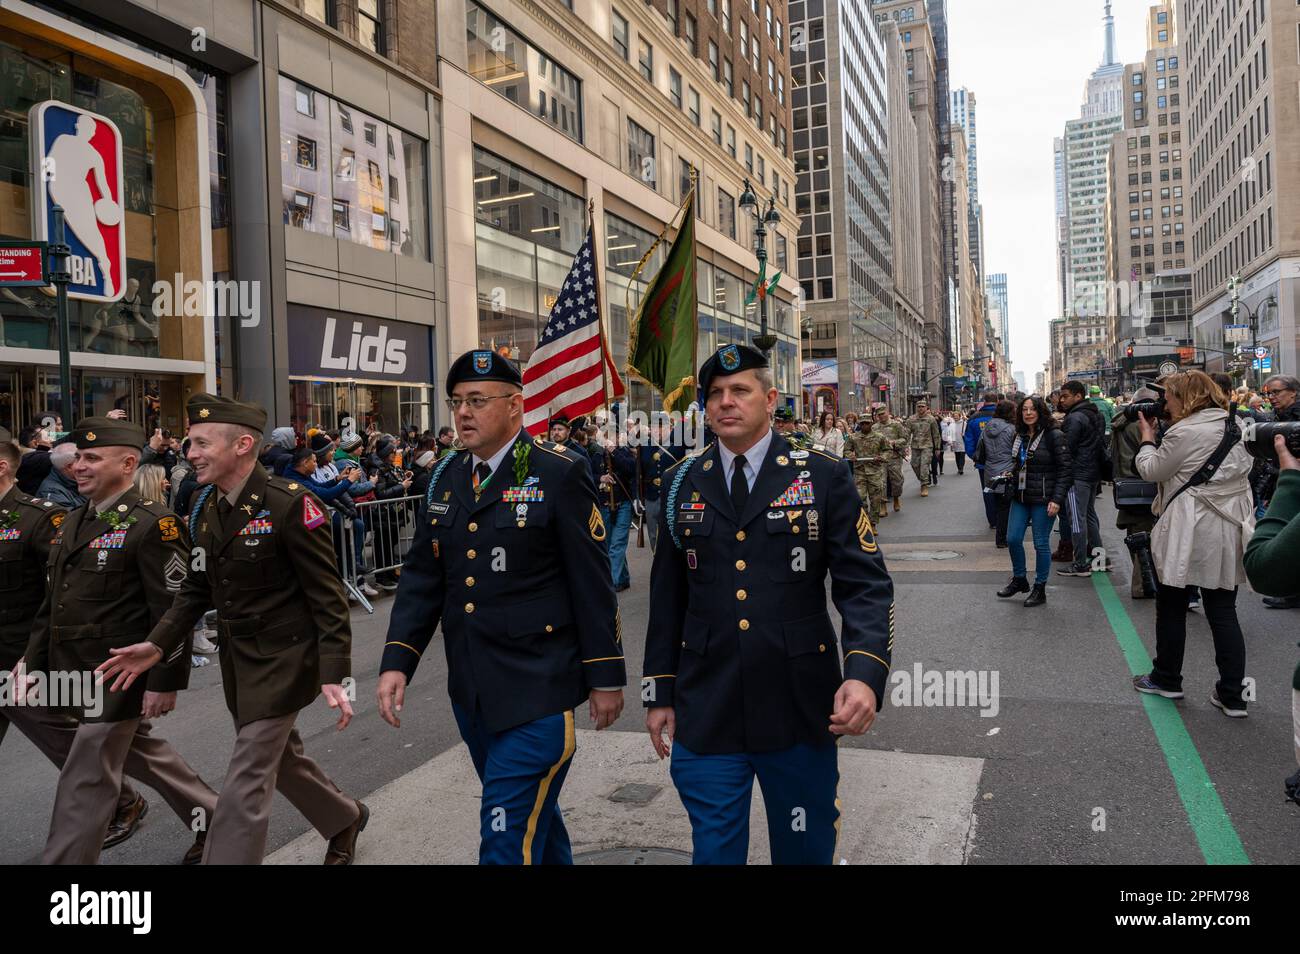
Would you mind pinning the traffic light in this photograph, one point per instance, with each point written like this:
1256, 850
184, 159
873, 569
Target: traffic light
992, 366
1128, 352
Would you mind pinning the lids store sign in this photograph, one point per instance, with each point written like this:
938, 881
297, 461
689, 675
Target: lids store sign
332, 344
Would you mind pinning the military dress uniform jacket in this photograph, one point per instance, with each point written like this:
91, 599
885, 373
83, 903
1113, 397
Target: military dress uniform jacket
739, 641
269, 570
520, 581
27, 528
107, 588
655, 461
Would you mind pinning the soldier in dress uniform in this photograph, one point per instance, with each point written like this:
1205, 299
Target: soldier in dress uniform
655, 459
28, 526
926, 440
114, 564
867, 449
743, 672
510, 560
899, 439
263, 556
783, 421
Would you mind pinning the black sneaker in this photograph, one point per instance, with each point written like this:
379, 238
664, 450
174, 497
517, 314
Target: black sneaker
1232, 711
1084, 571
1293, 788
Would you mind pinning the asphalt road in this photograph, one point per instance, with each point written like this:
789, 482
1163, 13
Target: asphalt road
1078, 768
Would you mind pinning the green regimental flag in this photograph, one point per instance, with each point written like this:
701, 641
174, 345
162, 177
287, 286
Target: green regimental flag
661, 344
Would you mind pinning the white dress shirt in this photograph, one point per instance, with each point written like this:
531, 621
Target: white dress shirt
754, 458
493, 462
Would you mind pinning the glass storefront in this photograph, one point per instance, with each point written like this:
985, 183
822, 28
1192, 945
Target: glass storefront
526, 235
32, 71
347, 174
386, 408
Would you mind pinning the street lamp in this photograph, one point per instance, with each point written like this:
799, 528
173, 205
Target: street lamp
1254, 316
750, 204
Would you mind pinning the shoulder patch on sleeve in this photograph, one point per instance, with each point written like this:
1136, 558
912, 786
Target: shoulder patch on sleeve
312, 515
56, 519
168, 529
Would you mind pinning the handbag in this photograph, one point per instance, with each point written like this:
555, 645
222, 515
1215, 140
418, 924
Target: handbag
1133, 494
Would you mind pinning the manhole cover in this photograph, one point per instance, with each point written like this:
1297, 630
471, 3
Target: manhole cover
633, 856
636, 793
920, 556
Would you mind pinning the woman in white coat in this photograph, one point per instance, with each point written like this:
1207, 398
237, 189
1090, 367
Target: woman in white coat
1199, 538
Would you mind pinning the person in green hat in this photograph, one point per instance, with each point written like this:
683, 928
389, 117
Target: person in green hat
1103, 404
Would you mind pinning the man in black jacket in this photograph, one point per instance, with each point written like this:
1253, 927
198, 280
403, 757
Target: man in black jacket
1281, 390
1084, 431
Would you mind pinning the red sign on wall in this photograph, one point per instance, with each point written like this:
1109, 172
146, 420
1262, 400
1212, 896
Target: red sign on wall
23, 265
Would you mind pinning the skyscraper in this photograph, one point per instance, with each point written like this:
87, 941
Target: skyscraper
963, 115
1087, 143
841, 152
997, 292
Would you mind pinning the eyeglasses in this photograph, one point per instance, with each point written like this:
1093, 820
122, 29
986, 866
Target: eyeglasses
1273, 392
476, 403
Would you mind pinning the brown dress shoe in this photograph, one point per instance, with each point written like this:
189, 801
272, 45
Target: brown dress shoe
343, 846
125, 822
195, 853
898, 505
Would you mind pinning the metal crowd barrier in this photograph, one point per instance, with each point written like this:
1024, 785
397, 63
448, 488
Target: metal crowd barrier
377, 541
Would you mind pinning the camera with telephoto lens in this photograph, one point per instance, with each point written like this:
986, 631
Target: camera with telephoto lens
1258, 438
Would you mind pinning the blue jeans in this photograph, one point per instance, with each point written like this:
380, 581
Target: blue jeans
619, 526
1021, 516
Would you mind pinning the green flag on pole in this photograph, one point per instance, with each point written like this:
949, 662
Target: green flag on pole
661, 345
762, 287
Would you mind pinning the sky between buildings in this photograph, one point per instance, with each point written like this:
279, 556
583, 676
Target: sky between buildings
1027, 64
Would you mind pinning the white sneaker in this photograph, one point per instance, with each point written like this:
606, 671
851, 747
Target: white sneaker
1230, 711
367, 590
203, 644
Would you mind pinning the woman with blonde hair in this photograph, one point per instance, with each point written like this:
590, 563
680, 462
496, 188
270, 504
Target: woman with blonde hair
1205, 519
152, 483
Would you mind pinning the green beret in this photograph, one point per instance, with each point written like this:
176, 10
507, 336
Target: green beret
211, 409
729, 359
92, 432
482, 366
783, 413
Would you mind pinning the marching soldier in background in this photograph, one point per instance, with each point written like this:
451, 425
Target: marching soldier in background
264, 557
28, 526
868, 448
926, 441
114, 566
741, 665
899, 438
655, 459
510, 559
783, 421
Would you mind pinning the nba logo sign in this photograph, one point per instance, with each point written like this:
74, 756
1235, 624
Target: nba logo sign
77, 164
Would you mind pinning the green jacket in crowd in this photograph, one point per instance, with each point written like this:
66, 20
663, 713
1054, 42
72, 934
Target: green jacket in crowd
1271, 556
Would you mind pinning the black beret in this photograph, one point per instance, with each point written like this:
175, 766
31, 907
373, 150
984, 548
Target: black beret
559, 419
482, 366
730, 359
106, 432
211, 409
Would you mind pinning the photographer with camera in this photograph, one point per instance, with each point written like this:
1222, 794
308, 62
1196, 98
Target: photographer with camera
1204, 519
1280, 391
1270, 563
1133, 495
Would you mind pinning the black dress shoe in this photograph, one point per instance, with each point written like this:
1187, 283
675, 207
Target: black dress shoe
125, 822
1018, 584
342, 847
195, 853
1282, 602
1037, 596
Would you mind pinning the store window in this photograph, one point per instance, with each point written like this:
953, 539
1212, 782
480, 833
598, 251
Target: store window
528, 230
359, 176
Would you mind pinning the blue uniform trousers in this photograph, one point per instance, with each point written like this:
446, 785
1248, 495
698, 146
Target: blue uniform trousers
618, 534
522, 770
798, 785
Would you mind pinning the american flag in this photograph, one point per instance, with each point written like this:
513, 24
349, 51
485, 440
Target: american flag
564, 375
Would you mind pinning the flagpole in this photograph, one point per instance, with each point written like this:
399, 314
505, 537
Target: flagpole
627, 299
600, 309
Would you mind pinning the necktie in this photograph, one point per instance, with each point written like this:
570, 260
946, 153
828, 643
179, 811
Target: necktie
224, 507
481, 474
739, 485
